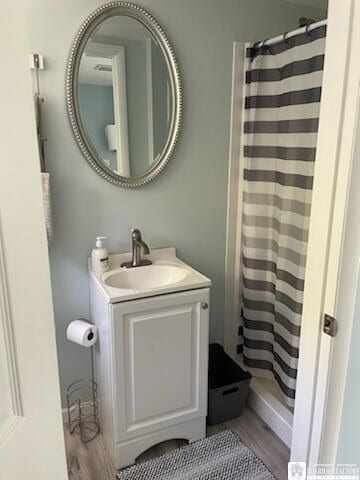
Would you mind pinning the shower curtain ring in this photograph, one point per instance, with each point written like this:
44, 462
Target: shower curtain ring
307, 29
264, 43
286, 40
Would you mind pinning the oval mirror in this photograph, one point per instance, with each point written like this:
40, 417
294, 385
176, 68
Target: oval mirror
123, 94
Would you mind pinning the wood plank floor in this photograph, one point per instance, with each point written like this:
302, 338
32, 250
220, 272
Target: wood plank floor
92, 461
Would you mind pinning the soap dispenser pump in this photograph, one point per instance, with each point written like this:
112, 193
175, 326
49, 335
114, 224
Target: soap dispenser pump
100, 257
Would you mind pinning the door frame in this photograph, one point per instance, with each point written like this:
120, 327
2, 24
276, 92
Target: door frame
31, 430
120, 112
326, 233
234, 203
149, 94
342, 268
335, 142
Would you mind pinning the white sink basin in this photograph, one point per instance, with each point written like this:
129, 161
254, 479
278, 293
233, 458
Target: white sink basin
167, 274
146, 278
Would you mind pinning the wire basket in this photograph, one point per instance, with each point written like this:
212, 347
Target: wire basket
82, 407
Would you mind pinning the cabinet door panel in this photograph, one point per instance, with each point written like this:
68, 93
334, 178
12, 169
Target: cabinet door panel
159, 355
160, 361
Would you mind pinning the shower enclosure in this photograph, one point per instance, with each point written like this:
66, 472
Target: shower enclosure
282, 104
280, 97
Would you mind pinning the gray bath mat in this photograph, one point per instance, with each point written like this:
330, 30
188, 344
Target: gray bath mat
220, 457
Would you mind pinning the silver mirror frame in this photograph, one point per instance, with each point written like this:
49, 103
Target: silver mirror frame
92, 21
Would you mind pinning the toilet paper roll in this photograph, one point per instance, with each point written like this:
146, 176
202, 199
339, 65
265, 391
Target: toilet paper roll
82, 332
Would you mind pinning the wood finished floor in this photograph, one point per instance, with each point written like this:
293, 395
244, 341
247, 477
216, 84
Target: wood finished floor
92, 461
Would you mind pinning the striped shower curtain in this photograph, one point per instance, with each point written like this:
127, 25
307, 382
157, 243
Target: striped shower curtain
283, 89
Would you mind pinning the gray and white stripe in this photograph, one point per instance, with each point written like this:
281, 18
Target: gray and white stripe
283, 92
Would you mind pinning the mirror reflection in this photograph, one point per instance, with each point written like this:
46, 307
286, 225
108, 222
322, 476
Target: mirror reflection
124, 96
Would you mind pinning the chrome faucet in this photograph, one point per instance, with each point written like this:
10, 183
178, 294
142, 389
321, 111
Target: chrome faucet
137, 244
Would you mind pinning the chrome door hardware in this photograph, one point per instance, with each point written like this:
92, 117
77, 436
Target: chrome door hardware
330, 325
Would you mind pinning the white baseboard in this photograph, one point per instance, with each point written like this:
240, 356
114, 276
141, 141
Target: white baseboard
271, 411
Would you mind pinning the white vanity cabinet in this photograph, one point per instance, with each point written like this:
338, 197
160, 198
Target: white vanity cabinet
151, 368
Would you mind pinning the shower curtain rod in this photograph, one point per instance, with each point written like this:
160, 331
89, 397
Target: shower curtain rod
286, 35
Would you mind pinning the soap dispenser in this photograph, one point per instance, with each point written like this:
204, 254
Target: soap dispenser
100, 257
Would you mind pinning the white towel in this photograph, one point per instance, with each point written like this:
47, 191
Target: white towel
45, 180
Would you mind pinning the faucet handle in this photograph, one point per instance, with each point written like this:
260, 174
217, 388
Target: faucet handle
137, 245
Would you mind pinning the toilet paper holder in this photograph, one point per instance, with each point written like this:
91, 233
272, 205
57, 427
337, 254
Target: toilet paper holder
82, 406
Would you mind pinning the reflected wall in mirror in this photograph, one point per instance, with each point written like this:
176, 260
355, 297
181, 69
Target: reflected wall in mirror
123, 94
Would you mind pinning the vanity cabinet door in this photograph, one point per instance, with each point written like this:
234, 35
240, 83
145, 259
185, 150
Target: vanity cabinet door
160, 348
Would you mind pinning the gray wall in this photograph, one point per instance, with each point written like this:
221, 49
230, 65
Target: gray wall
348, 448
186, 205
160, 100
349, 292
137, 106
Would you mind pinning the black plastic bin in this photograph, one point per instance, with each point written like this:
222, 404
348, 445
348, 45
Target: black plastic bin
228, 386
